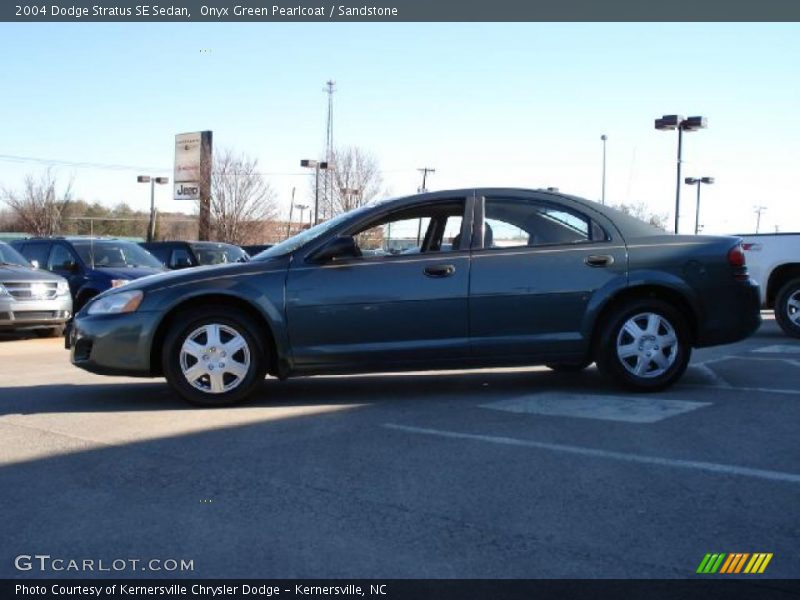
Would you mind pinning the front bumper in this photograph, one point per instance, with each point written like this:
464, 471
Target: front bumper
112, 344
733, 313
33, 314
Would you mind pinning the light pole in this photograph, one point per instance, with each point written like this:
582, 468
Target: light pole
316, 165
698, 181
151, 226
302, 208
668, 123
604, 137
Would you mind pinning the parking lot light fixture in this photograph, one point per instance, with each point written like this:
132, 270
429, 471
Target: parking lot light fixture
151, 226
698, 181
681, 123
317, 165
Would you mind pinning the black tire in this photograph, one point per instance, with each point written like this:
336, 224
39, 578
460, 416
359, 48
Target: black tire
51, 332
674, 358
573, 367
231, 321
785, 312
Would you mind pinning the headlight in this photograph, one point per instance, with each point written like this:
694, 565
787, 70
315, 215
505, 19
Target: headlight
62, 289
122, 302
3, 291
115, 283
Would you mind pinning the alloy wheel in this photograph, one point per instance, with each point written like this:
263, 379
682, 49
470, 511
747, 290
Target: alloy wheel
647, 345
215, 358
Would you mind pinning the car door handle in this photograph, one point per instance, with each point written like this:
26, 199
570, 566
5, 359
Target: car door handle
599, 260
440, 270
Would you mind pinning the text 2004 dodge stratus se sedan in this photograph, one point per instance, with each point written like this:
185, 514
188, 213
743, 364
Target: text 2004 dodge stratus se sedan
466, 278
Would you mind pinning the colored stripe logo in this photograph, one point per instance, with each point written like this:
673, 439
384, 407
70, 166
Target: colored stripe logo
733, 563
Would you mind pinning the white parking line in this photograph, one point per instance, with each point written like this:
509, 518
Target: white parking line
779, 349
595, 453
629, 409
737, 389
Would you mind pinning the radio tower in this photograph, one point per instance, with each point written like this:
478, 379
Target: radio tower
330, 89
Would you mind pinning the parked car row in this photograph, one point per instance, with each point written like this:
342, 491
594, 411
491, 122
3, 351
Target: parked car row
31, 300
43, 279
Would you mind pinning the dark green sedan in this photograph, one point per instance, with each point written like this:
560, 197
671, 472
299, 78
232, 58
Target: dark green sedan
455, 279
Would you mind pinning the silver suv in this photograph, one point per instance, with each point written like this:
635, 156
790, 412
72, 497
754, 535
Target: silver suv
31, 299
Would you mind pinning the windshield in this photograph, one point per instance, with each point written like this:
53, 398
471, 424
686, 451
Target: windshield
115, 253
293, 243
217, 254
9, 256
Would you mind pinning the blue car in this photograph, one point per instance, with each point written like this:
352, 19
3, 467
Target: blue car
463, 278
91, 265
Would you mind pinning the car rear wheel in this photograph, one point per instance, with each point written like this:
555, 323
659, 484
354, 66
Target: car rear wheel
645, 346
212, 357
787, 308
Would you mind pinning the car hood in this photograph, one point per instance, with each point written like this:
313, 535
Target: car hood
195, 274
9, 273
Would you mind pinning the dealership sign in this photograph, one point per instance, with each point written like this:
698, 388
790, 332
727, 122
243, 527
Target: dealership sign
192, 151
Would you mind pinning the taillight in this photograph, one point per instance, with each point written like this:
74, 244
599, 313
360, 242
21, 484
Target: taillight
736, 256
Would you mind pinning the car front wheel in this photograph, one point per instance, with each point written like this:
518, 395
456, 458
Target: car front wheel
212, 357
787, 308
645, 346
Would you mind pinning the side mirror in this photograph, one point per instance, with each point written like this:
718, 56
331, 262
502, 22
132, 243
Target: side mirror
73, 267
35, 264
343, 246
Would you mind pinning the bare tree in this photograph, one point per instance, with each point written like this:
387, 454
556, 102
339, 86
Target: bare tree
241, 199
39, 207
355, 180
642, 212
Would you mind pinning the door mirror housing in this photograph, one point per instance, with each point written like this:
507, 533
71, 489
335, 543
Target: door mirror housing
343, 246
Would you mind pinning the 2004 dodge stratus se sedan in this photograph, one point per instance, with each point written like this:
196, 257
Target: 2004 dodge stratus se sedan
466, 278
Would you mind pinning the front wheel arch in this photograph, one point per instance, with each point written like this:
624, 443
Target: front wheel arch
265, 330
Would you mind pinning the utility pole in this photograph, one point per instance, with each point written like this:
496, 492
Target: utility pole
603, 138
424, 170
291, 211
758, 211
330, 89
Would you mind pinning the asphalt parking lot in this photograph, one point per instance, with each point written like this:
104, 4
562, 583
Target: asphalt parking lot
511, 473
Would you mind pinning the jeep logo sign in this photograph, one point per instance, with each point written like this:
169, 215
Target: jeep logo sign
187, 191
192, 154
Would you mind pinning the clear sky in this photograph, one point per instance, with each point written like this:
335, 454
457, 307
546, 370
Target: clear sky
509, 104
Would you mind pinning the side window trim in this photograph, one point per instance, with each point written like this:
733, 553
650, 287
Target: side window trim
592, 224
467, 207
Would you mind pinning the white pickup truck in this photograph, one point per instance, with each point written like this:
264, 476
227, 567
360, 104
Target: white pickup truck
773, 260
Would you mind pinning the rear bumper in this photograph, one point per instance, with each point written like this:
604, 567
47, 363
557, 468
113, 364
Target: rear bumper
33, 314
731, 314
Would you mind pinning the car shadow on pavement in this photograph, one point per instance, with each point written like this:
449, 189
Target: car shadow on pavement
305, 391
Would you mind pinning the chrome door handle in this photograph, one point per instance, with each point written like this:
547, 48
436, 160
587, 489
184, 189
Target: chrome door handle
599, 260
439, 271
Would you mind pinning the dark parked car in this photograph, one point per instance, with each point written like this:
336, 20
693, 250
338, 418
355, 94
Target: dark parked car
475, 278
180, 255
31, 300
255, 249
91, 265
